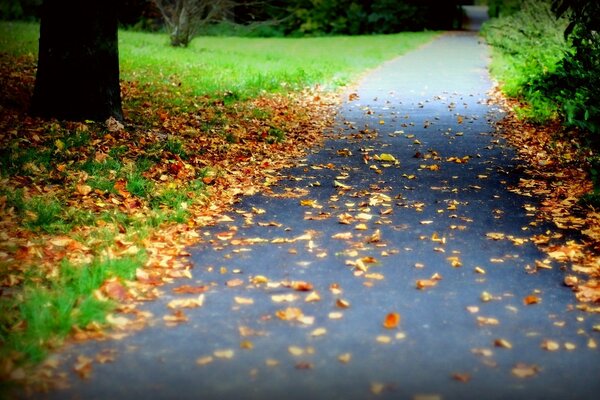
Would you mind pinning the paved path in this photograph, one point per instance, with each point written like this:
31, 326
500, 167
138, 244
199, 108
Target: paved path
429, 214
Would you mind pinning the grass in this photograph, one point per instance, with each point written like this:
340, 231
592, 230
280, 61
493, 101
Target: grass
79, 177
241, 67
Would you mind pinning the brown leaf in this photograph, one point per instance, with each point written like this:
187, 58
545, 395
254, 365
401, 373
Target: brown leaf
502, 343
83, 366
461, 377
188, 289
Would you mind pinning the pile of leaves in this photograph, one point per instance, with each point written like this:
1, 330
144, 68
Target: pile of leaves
556, 165
95, 216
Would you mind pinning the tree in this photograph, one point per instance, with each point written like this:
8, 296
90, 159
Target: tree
78, 63
185, 17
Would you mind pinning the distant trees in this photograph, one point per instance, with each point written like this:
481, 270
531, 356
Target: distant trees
317, 17
78, 64
184, 17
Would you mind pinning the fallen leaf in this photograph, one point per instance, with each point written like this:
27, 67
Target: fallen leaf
234, 282
187, 303
570, 346
377, 388
383, 339
312, 297
426, 283
106, 356
522, 370
531, 299
176, 318
318, 332
83, 366
503, 343
224, 353
341, 303
243, 300
391, 321
345, 358
461, 377
335, 315
295, 350
269, 362
289, 314
246, 345
187, 289
550, 345
204, 360
281, 298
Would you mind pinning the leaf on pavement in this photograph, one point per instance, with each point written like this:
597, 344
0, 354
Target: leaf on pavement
522, 370
391, 321
187, 303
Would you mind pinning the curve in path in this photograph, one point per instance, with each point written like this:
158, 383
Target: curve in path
411, 192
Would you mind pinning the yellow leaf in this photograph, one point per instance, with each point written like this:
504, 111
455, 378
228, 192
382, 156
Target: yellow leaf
550, 345
318, 332
204, 360
243, 300
225, 353
383, 339
387, 157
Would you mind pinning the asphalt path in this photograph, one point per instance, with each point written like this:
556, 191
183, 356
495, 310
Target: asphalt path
411, 191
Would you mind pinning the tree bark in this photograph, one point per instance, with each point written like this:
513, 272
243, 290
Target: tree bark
78, 63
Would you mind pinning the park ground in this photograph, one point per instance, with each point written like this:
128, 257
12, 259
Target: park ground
126, 201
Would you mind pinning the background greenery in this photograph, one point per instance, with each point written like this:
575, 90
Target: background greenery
289, 17
547, 54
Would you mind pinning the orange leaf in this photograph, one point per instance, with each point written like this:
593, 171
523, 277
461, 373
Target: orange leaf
391, 320
531, 299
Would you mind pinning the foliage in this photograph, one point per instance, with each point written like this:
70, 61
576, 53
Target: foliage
20, 9
575, 85
315, 17
528, 46
547, 55
503, 8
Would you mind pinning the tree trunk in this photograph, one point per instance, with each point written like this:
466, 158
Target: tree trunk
78, 64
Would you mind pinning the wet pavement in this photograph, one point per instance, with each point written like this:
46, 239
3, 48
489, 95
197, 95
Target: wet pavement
404, 212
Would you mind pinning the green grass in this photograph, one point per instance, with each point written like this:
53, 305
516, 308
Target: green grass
243, 67
52, 311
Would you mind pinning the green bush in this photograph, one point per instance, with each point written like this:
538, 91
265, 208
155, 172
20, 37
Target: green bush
529, 44
548, 55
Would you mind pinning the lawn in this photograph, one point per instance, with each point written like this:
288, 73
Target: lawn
244, 66
94, 219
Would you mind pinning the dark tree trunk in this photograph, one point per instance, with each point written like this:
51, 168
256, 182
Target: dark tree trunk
78, 65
